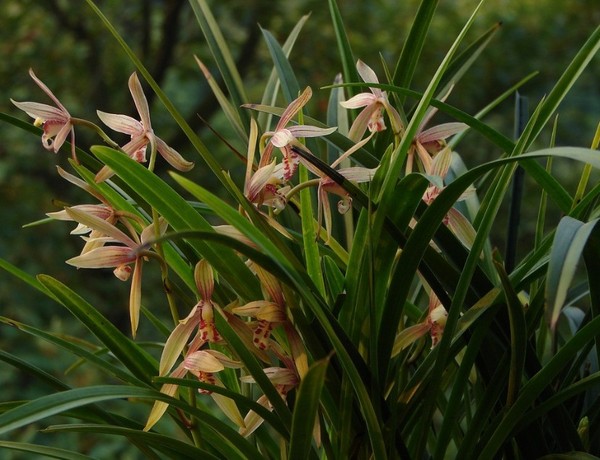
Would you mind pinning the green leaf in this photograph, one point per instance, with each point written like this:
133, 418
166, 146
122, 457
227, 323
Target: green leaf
564, 84
218, 434
289, 84
272, 86
518, 335
162, 443
411, 51
536, 385
45, 451
134, 358
305, 410
348, 61
569, 242
210, 160
309, 235
220, 52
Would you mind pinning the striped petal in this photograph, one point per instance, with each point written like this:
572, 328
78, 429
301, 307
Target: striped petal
104, 257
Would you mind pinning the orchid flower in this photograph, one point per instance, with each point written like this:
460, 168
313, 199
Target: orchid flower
433, 324
428, 142
284, 138
120, 257
454, 220
55, 121
201, 363
284, 379
268, 313
141, 133
102, 211
374, 103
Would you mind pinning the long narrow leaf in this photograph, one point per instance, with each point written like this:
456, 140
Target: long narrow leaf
569, 241
305, 411
133, 357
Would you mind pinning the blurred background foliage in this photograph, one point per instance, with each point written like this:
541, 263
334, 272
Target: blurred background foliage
71, 52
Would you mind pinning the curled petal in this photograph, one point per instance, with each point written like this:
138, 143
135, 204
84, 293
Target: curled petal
49, 93
172, 156
123, 272
360, 100
52, 140
202, 361
99, 210
282, 137
104, 257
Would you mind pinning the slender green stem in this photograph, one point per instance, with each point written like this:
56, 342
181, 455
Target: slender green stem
94, 127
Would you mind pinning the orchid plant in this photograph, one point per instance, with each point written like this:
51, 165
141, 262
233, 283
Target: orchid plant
387, 329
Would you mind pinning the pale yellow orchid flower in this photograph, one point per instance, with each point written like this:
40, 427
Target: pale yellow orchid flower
141, 133
55, 121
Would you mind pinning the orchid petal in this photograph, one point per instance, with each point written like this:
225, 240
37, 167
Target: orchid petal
461, 227
205, 279
358, 174
361, 122
101, 225
440, 132
149, 232
258, 180
104, 174
135, 297
408, 336
282, 137
229, 408
121, 123
172, 156
104, 257
366, 73
42, 111
294, 108
60, 138
175, 344
310, 131
441, 163
49, 93
252, 420
360, 100
202, 361
140, 101
160, 407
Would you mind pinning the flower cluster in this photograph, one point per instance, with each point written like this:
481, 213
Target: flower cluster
125, 240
